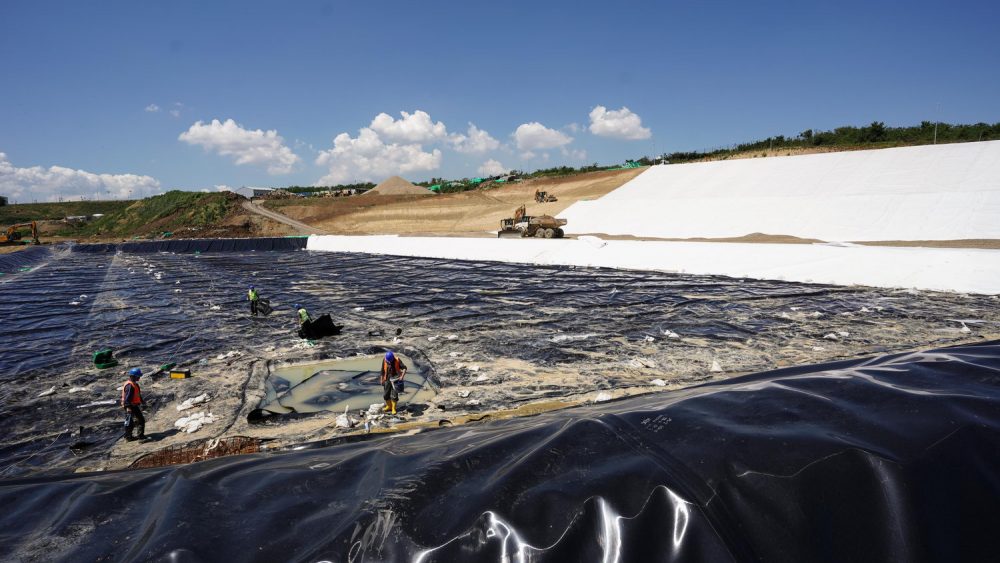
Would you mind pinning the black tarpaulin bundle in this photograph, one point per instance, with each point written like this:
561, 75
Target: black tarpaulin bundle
890, 459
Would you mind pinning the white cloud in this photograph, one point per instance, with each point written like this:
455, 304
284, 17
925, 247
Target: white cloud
528, 155
574, 128
246, 146
534, 135
575, 154
411, 128
476, 141
175, 112
492, 168
55, 182
153, 108
368, 158
619, 124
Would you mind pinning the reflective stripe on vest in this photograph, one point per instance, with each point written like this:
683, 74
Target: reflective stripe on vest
136, 397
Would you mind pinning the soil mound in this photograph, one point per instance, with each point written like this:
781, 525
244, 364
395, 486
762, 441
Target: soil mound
398, 186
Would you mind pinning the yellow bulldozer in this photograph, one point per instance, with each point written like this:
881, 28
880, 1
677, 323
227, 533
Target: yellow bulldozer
13, 234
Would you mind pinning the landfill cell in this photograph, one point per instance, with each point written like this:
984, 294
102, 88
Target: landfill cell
494, 335
893, 458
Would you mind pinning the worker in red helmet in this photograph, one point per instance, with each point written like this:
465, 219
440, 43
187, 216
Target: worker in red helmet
131, 401
393, 370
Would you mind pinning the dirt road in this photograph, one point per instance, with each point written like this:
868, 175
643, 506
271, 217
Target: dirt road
297, 225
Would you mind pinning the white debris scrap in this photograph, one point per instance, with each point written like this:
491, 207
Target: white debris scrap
47, 392
602, 396
346, 420
659, 382
194, 422
190, 403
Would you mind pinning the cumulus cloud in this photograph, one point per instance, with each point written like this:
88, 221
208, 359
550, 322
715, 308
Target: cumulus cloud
368, 158
492, 168
153, 108
411, 128
618, 124
575, 154
475, 141
55, 182
535, 136
246, 146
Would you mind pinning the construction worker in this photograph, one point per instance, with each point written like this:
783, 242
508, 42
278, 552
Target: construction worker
392, 367
254, 298
131, 401
304, 320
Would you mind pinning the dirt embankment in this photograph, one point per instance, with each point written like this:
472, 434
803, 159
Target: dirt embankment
472, 212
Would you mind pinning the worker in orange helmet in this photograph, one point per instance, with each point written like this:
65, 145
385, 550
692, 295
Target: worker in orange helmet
393, 370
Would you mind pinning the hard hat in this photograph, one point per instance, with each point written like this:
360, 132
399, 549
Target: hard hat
135, 372
297, 306
251, 287
389, 356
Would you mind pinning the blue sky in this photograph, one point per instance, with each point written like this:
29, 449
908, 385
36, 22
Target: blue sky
116, 96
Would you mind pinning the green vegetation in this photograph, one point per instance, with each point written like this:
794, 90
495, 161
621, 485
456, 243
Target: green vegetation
876, 135
171, 211
23, 212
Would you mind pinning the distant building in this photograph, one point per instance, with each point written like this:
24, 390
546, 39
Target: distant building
3, 200
253, 192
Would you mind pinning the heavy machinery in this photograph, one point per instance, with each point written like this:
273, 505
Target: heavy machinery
524, 225
544, 197
13, 234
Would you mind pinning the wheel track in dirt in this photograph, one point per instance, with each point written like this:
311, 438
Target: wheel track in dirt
275, 216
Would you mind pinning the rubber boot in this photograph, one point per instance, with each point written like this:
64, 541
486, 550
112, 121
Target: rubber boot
388, 405
393, 403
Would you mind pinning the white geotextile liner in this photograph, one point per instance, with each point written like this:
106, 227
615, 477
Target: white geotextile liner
943, 269
932, 192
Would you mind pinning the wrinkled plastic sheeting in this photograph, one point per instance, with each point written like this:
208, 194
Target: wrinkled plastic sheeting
201, 245
891, 459
12, 262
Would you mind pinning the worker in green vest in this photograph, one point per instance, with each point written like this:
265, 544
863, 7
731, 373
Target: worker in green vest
304, 321
254, 297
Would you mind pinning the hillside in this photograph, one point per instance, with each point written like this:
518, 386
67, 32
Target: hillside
23, 212
183, 215
470, 212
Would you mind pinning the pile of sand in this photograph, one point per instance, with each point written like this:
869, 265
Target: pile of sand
398, 186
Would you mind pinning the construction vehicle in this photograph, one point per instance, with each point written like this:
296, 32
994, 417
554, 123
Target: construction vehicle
524, 225
13, 234
544, 197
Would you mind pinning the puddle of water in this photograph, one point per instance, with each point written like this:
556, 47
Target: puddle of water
334, 385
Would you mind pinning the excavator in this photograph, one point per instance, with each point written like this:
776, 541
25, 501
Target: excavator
524, 225
13, 234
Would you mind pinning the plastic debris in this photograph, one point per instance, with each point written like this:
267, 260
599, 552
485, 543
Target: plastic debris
191, 402
715, 367
47, 392
659, 382
194, 422
602, 397
346, 420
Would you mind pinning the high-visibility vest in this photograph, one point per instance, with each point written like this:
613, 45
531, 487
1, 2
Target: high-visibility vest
388, 371
136, 397
252, 294
303, 315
